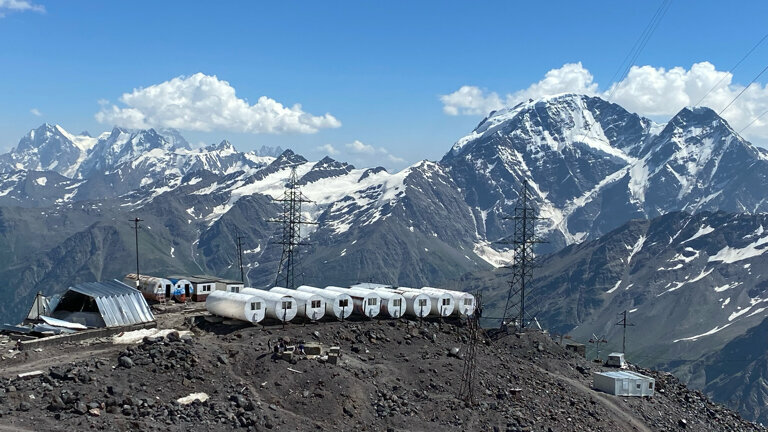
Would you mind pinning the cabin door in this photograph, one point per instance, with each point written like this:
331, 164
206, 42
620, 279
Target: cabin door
167, 292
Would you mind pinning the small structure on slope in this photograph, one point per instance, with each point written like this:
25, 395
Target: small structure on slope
101, 304
310, 306
366, 302
239, 306
280, 307
616, 360
623, 383
337, 305
153, 288
201, 286
392, 303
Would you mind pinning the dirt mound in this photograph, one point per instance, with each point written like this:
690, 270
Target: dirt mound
393, 375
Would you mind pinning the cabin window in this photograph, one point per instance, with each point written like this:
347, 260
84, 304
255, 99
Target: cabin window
650, 386
396, 303
422, 302
316, 303
372, 301
446, 302
639, 386
255, 306
287, 305
235, 289
467, 302
343, 303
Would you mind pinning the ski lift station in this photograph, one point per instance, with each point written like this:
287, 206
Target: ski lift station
310, 306
337, 305
623, 383
280, 307
366, 302
239, 306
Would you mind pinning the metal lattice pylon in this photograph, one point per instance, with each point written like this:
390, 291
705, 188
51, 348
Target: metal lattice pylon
517, 306
467, 389
291, 221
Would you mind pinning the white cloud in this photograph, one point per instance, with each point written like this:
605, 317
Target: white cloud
647, 90
19, 6
359, 147
368, 154
204, 103
36, 112
329, 149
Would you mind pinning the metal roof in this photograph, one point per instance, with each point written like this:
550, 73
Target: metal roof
624, 374
196, 279
119, 304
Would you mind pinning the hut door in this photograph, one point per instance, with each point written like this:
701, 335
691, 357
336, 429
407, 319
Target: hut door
167, 291
186, 290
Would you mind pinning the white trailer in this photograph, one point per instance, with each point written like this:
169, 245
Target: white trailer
310, 306
464, 302
623, 383
392, 303
337, 305
152, 288
279, 306
239, 306
367, 302
442, 303
417, 303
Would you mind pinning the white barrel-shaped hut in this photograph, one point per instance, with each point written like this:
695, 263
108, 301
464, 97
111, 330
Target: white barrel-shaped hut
310, 306
337, 305
464, 302
442, 303
152, 288
182, 289
367, 302
239, 306
417, 303
392, 303
279, 306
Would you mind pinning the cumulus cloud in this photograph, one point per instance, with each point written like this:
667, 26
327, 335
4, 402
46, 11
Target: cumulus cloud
19, 6
368, 153
329, 149
204, 103
36, 112
647, 90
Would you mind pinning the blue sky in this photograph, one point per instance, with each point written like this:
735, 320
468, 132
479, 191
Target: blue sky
378, 69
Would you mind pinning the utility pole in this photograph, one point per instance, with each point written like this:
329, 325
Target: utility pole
136, 230
291, 221
624, 323
240, 256
467, 388
597, 341
524, 238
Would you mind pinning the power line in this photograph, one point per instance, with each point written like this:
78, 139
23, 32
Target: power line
742, 91
753, 121
732, 69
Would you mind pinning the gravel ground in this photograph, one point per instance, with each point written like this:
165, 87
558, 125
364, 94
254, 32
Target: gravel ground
392, 376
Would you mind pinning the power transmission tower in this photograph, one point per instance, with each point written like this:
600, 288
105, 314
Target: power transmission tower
624, 323
136, 230
240, 256
467, 389
523, 262
291, 221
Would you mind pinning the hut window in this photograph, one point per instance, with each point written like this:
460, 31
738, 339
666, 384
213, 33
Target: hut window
422, 302
446, 302
650, 386
343, 303
286, 305
467, 302
255, 305
372, 301
316, 303
396, 303
235, 289
639, 386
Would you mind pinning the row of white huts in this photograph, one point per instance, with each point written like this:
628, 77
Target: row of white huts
181, 288
313, 303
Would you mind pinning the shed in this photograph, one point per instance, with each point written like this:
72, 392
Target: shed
623, 383
337, 305
239, 306
102, 304
201, 286
578, 348
182, 289
310, 306
366, 302
279, 306
392, 303
153, 288
222, 284
616, 360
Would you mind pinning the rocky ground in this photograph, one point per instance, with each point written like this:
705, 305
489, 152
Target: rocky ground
392, 376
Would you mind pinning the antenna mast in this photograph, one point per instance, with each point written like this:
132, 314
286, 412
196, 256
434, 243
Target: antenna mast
291, 221
624, 323
240, 255
524, 238
136, 230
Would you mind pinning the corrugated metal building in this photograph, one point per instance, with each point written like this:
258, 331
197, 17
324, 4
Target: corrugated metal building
623, 383
102, 304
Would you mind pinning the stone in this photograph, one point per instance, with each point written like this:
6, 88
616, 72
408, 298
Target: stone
125, 362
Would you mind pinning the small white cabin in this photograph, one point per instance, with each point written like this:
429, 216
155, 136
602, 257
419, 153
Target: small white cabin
366, 302
201, 286
392, 303
182, 289
239, 306
623, 383
337, 305
464, 303
442, 303
279, 306
616, 360
417, 303
310, 306
152, 288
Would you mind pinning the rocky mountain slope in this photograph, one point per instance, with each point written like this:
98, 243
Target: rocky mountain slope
392, 375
